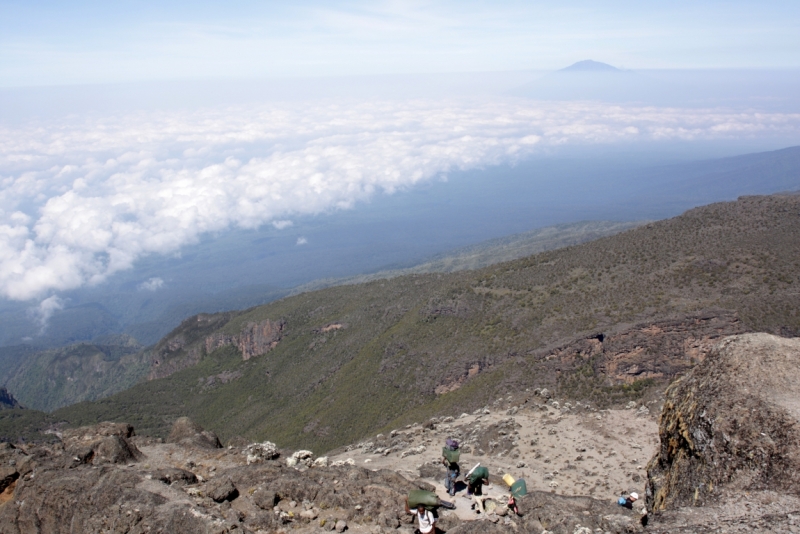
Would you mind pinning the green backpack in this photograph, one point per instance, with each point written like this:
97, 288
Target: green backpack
428, 499
478, 474
452, 456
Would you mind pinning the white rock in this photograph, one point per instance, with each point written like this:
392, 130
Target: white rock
412, 451
258, 452
309, 514
322, 461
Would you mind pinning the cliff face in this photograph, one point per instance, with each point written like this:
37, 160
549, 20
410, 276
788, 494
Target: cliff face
259, 338
196, 336
606, 366
731, 425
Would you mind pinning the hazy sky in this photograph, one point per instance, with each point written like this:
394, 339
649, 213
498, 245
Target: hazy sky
83, 41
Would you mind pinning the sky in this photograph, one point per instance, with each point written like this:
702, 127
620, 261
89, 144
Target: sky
87, 193
53, 43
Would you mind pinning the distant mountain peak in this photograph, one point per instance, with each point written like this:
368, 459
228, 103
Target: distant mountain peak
589, 65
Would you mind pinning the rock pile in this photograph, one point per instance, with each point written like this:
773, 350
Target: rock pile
259, 452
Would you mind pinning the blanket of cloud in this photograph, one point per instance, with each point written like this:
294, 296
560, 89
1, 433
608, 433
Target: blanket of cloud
86, 196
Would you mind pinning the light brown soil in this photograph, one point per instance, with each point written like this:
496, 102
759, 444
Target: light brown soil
601, 454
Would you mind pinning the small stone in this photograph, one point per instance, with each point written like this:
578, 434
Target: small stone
341, 526
309, 514
221, 489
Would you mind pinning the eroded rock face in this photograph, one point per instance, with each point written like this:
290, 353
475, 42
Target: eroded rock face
187, 432
731, 425
259, 338
186, 347
660, 351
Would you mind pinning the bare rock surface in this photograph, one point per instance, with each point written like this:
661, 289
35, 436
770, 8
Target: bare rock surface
729, 455
187, 432
103, 443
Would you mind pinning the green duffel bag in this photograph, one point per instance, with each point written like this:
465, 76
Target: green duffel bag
452, 456
519, 489
428, 499
479, 473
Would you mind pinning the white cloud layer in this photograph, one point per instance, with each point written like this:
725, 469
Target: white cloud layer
280, 225
152, 284
42, 313
82, 198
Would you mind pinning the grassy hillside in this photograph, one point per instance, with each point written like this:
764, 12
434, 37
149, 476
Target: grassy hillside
50, 379
409, 346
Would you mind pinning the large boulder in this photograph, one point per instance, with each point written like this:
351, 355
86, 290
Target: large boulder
102, 443
187, 432
221, 489
730, 426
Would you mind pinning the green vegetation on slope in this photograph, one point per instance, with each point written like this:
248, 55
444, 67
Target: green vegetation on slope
400, 341
50, 379
54, 378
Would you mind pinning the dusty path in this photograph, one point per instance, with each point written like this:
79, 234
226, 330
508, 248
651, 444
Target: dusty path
574, 451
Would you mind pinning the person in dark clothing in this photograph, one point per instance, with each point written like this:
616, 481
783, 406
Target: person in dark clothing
628, 501
476, 480
450, 457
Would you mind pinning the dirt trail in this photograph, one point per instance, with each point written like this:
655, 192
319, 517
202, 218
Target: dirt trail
556, 447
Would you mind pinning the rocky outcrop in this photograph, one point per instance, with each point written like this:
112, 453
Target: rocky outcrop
183, 347
655, 350
101, 444
186, 346
187, 432
259, 338
730, 427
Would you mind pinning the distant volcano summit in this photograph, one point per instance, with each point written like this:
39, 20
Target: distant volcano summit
589, 65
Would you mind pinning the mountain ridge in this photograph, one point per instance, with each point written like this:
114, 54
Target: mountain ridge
23, 368
607, 322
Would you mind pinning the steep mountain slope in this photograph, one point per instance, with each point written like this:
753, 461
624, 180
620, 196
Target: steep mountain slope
606, 321
50, 379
